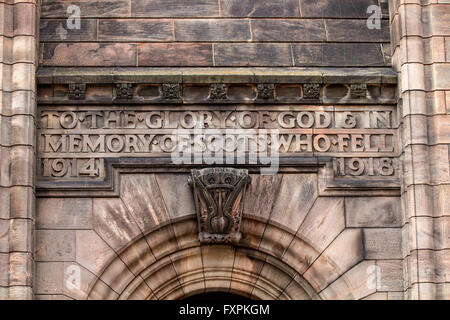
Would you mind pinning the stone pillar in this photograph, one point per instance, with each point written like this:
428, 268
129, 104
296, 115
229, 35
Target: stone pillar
18, 47
420, 32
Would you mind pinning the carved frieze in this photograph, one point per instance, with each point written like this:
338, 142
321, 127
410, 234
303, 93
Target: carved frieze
311, 91
124, 91
171, 91
266, 91
219, 195
77, 91
358, 90
218, 91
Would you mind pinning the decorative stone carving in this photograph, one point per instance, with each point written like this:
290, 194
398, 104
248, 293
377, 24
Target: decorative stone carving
77, 91
218, 91
124, 91
266, 91
171, 91
219, 195
358, 91
311, 91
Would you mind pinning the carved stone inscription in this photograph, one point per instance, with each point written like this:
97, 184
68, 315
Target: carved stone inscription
74, 141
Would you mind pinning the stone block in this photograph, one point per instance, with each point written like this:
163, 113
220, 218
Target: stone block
21, 269
295, 198
162, 241
356, 283
21, 235
346, 30
101, 8
252, 54
261, 194
22, 49
212, 30
22, 102
23, 76
288, 30
391, 275
335, 8
55, 245
383, 243
4, 271
58, 30
439, 17
177, 194
175, 55
113, 222
275, 241
174, 8
92, 252
142, 197
117, 276
323, 223
373, 212
345, 252
64, 213
4, 236
300, 255
22, 202
89, 54
49, 277
337, 54
135, 30
7, 16
102, 291
77, 281
138, 256
22, 130
24, 19
259, 8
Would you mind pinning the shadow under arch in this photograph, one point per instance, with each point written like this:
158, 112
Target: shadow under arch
168, 262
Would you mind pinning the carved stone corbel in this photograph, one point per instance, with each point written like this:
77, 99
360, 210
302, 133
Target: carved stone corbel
219, 195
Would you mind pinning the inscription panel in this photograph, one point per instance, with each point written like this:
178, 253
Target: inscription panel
76, 142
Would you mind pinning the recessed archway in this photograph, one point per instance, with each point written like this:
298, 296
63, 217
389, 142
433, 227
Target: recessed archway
178, 267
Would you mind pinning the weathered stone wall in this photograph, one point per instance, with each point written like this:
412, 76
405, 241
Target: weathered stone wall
220, 33
18, 43
144, 243
308, 232
420, 38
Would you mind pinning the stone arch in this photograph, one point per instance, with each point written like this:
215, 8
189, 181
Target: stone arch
177, 266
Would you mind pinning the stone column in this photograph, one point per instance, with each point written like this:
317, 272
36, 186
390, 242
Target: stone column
18, 43
420, 32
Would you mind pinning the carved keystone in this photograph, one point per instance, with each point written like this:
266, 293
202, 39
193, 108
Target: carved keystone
219, 195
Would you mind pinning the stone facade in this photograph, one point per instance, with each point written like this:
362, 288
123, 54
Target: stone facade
93, 206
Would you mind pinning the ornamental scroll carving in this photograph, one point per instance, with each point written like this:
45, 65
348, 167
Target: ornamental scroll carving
219, 195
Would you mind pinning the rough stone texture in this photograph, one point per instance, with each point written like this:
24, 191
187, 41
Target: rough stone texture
139, 239
18, 40
217, 24
418, 30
